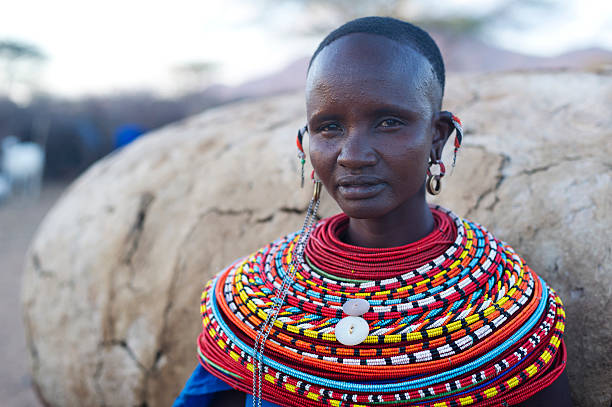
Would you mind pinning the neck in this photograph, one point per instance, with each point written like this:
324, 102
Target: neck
405, 224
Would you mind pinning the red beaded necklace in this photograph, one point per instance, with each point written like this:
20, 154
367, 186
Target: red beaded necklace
325, 250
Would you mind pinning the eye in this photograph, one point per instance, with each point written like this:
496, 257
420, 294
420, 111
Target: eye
330, 127
389, 123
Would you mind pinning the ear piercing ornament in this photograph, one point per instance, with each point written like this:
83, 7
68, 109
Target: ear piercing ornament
458, 135
301, 154
434, 183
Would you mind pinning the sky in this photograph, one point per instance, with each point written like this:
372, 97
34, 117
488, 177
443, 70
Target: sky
102, 47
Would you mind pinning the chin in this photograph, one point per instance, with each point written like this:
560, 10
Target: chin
364, 209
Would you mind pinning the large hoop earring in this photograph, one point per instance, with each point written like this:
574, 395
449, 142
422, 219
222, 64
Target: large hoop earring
434, 181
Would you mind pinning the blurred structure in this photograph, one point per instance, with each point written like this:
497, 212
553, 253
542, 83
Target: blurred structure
22, 167
192, 76
5, 188
19, 64
127, 133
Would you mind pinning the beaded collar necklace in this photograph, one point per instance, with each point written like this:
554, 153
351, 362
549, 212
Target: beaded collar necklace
473, 324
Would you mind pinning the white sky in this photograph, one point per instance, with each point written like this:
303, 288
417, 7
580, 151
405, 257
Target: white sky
117, 44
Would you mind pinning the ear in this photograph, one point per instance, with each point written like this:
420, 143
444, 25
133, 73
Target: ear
442, 129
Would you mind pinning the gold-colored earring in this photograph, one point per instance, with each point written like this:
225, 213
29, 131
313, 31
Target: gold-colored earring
434, 185
316, 193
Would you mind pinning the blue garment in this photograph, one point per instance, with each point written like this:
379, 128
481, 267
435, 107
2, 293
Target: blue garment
201, 388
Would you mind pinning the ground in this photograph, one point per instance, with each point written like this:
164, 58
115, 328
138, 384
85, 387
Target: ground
19, 218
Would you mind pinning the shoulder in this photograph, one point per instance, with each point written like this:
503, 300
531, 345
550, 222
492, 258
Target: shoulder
470, 229
469, 232
472, 235
556, 394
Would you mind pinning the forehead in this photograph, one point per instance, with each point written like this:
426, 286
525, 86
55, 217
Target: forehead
370, 66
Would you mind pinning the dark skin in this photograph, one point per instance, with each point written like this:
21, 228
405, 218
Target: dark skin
374, 124
373, 109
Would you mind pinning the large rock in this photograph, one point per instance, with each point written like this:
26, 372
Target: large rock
114, 274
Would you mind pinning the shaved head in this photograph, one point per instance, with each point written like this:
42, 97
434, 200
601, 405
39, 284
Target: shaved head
406, 35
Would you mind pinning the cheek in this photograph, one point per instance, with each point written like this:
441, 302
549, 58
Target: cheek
408, 164
322, 158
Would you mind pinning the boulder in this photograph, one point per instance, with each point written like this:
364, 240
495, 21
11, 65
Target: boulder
114, 274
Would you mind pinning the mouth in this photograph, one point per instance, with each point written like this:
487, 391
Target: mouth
359, 186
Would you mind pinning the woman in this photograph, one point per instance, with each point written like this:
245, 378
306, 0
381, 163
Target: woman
392, 302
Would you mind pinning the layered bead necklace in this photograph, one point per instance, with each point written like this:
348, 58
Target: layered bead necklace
456, 318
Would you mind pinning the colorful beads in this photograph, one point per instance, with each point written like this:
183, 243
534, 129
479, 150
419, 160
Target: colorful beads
468, 324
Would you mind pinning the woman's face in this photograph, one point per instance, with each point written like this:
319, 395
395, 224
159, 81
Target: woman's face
370, 107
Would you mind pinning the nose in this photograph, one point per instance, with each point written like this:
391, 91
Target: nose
356, 151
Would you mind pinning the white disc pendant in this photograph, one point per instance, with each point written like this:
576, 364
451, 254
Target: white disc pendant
351, 330
356, 307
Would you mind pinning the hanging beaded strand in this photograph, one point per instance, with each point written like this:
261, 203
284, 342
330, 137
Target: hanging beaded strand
279, 299
301, 154
458, 136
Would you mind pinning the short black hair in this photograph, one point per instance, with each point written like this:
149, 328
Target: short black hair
394, 29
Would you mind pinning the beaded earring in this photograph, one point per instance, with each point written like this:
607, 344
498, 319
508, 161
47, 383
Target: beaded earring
434, 183
458, 136
301, 154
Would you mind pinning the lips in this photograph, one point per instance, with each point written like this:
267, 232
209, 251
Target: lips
359, 186
358, 180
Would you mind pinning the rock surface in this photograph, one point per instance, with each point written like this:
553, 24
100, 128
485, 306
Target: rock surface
113, 277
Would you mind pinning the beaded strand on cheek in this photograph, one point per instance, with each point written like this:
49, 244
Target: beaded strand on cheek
296, 260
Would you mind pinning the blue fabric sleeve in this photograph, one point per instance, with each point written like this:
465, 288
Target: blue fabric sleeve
201, 388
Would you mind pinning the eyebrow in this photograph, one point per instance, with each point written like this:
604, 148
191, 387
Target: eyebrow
322, 116
382, 110
393, 109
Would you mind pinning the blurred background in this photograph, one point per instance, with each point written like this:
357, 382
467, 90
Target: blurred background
79, 80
